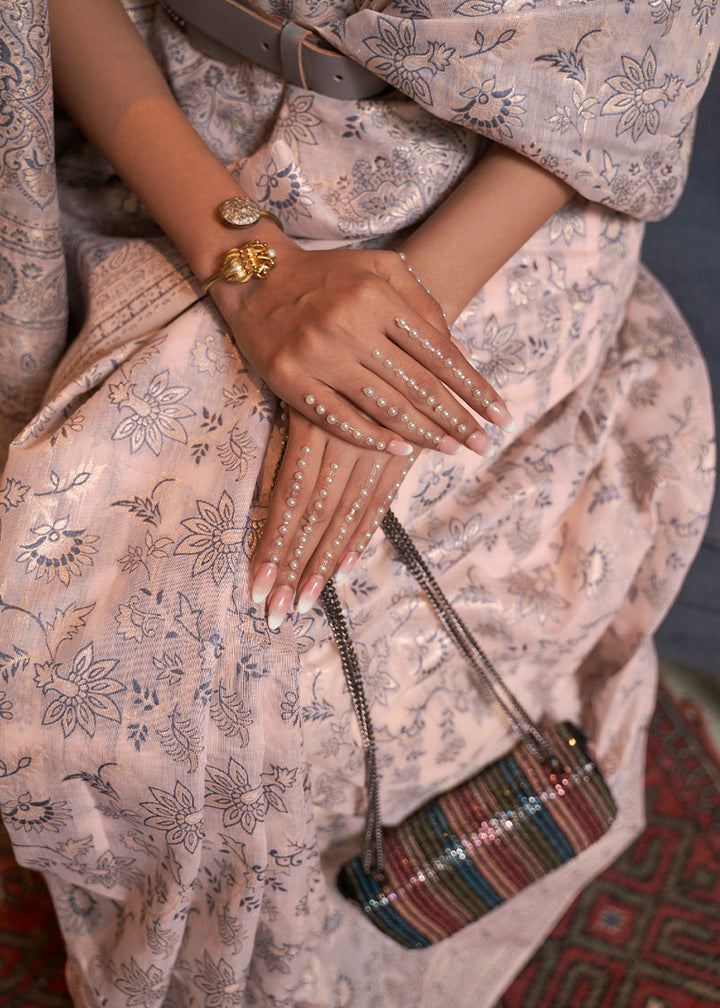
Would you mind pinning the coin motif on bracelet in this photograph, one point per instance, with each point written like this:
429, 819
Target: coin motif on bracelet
241, 212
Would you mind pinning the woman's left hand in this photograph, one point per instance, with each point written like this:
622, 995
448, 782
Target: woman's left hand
328, 500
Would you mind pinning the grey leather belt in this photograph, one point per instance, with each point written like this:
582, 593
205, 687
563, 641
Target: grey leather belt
227, 29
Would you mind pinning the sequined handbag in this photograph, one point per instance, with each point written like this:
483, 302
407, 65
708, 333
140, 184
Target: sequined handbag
475, 846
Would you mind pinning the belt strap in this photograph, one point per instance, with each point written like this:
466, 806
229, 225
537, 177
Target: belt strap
226, 29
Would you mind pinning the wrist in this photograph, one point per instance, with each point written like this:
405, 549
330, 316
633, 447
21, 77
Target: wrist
241, 264
212, 243
227, 295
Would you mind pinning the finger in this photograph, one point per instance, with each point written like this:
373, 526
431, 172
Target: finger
321, 536
322, 405
335, 371
444, 358
315, 479
383, 404
437, 342
336, 551
295, 481
424, 410
397, 270
414, 406
369, 510
427, 372
397, 391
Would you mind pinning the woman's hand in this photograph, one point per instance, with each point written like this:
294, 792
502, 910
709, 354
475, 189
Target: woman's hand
352, 341
329, 498
322, 328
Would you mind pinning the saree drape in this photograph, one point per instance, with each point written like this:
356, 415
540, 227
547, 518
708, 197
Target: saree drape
188, 780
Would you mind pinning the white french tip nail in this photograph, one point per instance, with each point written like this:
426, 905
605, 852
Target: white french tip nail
263, 583
396, 447
309, 595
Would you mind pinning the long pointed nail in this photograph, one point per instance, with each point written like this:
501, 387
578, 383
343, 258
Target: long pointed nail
501, 417
397, 447
479, 443
346, 565
309, 594
448, 445
279, 607
264, 580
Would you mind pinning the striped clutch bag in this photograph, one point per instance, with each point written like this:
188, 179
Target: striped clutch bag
475, 846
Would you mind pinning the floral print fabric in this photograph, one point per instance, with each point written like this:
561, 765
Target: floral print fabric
602, 94
188, 780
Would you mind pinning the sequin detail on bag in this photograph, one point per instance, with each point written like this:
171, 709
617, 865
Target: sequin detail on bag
475, 846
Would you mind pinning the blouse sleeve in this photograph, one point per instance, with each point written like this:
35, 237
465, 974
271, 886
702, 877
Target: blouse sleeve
601, 92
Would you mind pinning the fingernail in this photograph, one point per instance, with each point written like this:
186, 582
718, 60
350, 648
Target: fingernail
309, 594
264, 580
279, 607
478, 442
397, 447
346, 565
502, 417
448, 445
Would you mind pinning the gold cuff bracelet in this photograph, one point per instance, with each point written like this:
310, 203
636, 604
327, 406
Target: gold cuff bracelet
252, 258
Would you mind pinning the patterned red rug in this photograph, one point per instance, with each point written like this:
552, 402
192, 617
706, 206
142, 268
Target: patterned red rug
646, 934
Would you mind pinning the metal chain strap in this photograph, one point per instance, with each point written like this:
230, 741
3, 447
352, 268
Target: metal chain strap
372, 855
487, 678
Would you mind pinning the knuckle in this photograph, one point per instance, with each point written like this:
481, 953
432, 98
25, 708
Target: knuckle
280, 370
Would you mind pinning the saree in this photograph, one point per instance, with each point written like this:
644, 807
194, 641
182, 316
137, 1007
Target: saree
188, 780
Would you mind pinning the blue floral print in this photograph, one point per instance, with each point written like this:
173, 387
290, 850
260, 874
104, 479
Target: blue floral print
83, 692
244, 804
175, 814
57, 551
215, 539
186, 778
395, 54
637, 98
153, 416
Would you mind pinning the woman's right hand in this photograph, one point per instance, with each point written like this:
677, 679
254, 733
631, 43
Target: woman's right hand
353, 342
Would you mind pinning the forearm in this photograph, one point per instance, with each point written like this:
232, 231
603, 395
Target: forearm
108, 82
485, 220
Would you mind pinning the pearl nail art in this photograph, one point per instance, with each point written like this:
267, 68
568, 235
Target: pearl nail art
344, 426
291, 504
485, 401
311, 519
393, 411
425, 343
427, 290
